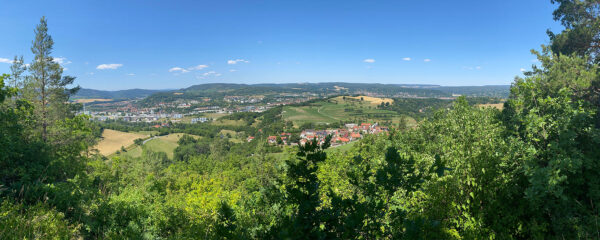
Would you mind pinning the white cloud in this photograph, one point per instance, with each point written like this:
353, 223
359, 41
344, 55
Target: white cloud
199, 67
369, 60
237, 61
131, 74
109, 66
61, 60
178, 69
232, 70
211, 73
522, 69
65, 69
184, 70
427, 60
5, 60
472, 68
406, 59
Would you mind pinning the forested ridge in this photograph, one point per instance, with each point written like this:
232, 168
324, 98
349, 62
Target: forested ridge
528, 171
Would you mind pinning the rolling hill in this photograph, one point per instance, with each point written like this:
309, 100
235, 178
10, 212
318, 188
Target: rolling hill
86, 93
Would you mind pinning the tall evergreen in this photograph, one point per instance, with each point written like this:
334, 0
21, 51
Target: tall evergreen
16, 72
47, 87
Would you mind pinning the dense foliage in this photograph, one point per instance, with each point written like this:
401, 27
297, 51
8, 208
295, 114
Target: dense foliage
528, 171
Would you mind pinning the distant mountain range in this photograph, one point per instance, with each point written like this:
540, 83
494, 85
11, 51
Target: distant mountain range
223, 89
86, 93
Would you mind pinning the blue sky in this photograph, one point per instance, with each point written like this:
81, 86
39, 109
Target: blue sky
173, 44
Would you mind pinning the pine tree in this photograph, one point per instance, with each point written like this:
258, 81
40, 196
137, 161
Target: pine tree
16, 71
47, 87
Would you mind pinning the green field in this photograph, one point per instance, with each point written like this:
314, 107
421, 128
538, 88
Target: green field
148, 132
161, 145
341, 148
166, 144
133, 152
339, 109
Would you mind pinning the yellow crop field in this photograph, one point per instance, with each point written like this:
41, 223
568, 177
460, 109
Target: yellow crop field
374, 100
113, 140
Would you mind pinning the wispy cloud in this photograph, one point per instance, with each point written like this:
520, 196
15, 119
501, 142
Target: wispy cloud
232, 70
211, 73
61, 60
109, 66
522, 69
131, 74
178, 69
186, 70
427, 60
236, 61
6, 60
472, 68
369, 60
406, 59
199, 67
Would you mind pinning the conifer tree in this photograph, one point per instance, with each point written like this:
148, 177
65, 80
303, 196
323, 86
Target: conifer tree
16, 72
47, 88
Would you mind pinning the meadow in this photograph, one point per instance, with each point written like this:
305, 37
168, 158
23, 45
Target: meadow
112, 141
343, 109
166, 144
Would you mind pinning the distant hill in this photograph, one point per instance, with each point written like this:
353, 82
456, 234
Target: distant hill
499, 91
216, 90
116, 95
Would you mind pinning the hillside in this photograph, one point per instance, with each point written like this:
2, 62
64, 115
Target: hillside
498, 91
86, 93
220, 90
320, 89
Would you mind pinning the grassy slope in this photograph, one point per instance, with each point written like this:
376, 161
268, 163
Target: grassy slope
341, 148
113, 140
164, 144
334, 111
161, 145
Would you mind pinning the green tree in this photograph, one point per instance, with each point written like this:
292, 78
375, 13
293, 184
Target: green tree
581, 19
47, 88
548, 111
302, 189
17, 68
